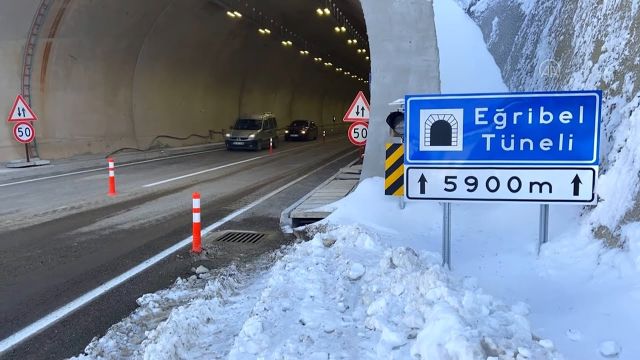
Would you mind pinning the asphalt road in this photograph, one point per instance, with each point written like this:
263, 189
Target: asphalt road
61, 237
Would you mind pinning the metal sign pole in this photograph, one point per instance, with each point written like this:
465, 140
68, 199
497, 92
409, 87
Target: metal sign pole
543, 237
446, 235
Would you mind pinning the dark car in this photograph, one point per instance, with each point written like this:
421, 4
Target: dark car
301, 130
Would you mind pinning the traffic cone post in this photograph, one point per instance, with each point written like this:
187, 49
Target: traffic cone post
197, 232
112, 177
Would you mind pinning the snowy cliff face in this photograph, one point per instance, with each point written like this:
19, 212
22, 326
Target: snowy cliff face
576, 45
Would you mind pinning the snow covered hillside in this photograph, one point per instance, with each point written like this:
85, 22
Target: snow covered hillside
575, 45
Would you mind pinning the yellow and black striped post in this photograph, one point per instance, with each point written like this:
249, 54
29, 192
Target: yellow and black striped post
394, 170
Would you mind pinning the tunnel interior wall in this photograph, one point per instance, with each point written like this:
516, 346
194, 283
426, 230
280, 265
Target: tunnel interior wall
118, 73
15, 21
576, 45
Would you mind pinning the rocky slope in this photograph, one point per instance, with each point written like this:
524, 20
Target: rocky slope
576, 45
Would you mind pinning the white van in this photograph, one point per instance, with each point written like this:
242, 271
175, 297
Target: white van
253, 132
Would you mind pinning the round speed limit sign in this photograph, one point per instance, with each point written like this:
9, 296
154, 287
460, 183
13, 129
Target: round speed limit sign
358, 133
24, 132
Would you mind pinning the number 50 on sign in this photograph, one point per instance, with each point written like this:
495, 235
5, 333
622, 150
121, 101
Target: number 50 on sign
358, 132
23, 132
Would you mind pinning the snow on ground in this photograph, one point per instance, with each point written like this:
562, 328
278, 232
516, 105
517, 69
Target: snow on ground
369, 285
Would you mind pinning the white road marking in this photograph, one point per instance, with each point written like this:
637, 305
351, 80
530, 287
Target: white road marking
221, 167
103, 168
74, 305
203, 171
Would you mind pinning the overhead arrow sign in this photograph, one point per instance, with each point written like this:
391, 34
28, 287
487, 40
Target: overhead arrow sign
423, 184
576, 185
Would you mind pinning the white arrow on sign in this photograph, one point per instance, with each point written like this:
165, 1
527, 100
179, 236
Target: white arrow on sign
359, 109
540, 185
20, 111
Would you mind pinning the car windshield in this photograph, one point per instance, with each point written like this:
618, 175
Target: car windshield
248, 124
300, 123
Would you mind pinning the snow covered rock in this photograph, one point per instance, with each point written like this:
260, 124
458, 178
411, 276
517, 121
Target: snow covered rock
609, 349
201, 270
547, 344
574, 335
356, 271
328, 241
404, 258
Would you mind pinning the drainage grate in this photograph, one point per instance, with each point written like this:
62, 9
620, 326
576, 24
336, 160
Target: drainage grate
241, 237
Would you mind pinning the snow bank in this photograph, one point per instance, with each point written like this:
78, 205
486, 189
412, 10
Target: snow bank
400, 304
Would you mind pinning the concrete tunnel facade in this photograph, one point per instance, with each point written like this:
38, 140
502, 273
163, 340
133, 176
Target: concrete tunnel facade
117, 73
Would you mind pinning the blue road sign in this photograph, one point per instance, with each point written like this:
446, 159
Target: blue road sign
547, 129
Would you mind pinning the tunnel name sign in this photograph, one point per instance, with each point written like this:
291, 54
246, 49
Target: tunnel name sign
529, 147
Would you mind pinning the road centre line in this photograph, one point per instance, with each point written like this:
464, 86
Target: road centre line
74, 305
103, 168
220, 167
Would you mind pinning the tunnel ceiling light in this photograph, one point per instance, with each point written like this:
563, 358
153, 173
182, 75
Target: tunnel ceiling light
317, 59
238, 14
328, 64
326, 11
286, 43
339, 69
347, 72
319, 12
352, 41
354, 76
343, 29
264, 31
304, 52
337, 29
231, 14
367, 58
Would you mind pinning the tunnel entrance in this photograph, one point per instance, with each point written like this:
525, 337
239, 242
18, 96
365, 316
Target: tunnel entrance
189, 69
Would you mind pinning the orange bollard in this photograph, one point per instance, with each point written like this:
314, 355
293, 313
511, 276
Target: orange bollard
112, 177
197, 233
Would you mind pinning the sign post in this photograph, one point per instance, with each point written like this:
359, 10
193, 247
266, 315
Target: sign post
523, 147
22, 113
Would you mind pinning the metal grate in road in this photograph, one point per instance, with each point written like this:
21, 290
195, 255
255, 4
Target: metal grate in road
241, 237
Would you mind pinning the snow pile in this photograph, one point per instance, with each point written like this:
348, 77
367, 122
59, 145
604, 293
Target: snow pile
362, 299
575, 45
454, 27
344, 294
196, 318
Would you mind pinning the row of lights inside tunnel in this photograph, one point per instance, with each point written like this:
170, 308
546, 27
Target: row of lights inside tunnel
324, 10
